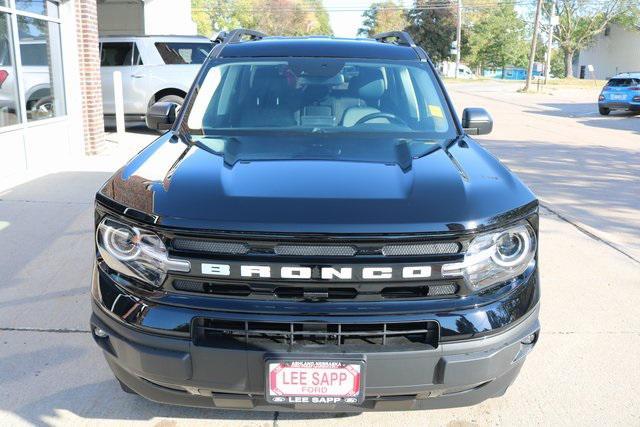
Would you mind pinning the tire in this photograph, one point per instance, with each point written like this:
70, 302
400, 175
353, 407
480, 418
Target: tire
172, 98
126, 388
604, 111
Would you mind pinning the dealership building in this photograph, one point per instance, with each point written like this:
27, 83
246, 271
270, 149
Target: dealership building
50, 91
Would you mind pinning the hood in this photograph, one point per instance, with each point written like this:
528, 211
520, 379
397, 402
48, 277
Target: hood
185, 186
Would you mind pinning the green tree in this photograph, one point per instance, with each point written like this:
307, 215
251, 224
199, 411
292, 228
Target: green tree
434, 29
433, 26
281, 17
212, 16
291, 17
580, 21
498, 39
557, 64
382, 17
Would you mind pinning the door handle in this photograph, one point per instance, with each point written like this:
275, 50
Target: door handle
137, 76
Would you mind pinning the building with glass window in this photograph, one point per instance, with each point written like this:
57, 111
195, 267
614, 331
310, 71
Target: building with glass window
40, 111
50, 86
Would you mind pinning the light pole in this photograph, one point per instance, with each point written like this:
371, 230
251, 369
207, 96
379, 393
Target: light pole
534, 40
553, 20
458, 37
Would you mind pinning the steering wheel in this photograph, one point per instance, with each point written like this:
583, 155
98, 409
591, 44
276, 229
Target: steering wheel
380, 115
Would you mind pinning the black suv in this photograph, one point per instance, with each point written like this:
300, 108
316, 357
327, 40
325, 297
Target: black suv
317, 231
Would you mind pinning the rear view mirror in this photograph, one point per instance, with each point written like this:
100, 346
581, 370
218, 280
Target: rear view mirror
477, 121
161, 115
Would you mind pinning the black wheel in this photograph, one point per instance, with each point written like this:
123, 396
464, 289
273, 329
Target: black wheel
126, 388
604, 111
40, 108
172, 98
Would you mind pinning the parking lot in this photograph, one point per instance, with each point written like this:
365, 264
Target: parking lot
585, 371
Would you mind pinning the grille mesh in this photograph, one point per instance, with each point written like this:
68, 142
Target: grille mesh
317, 250
314, 292
421, 249
210, 246
439, 290
209, 288
188, 285
419, 291
213, 332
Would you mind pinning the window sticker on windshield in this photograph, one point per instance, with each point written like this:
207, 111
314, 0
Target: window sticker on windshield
435, 111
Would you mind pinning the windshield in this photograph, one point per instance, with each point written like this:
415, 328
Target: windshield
320, 95
319, 108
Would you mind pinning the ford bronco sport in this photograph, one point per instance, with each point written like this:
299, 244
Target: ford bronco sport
317, 231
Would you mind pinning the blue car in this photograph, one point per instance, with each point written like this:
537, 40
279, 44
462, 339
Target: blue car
622, 92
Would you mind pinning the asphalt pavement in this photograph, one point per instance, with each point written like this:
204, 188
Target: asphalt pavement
584, 371
582, 165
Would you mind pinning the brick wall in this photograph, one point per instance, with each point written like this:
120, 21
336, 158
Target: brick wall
89, 68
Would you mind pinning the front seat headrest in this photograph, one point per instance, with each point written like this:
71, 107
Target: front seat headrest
369, 84
269, 85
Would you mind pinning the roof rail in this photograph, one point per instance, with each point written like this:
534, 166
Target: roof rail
401, 38
235, 36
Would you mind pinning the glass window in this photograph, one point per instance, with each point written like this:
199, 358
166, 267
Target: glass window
184, 53
311, 94
9, 106
137, 58
621, 82
116, 54
314, 107
41, 7
42, 68
34, 53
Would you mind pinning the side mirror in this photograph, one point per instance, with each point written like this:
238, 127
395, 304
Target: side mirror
161, 115
477, 121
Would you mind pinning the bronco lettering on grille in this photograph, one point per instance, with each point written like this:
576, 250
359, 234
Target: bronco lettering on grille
324, 273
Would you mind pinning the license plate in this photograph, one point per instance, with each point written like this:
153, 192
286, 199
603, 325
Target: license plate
618, 97
315, 381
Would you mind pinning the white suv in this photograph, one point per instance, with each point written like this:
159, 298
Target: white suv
35, 78
154, 68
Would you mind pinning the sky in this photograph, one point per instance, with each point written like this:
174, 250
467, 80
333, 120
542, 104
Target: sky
345, 23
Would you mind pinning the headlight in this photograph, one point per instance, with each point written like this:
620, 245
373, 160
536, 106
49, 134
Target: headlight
135, 252
495, 257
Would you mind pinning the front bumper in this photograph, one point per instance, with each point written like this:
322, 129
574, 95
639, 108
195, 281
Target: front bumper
154, 359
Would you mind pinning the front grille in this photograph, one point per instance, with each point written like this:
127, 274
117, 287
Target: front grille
300, 292
216, 333
316, 250
421, 249
237, 290
295, 267
419, 291
307, 249
316, 292
208, 246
